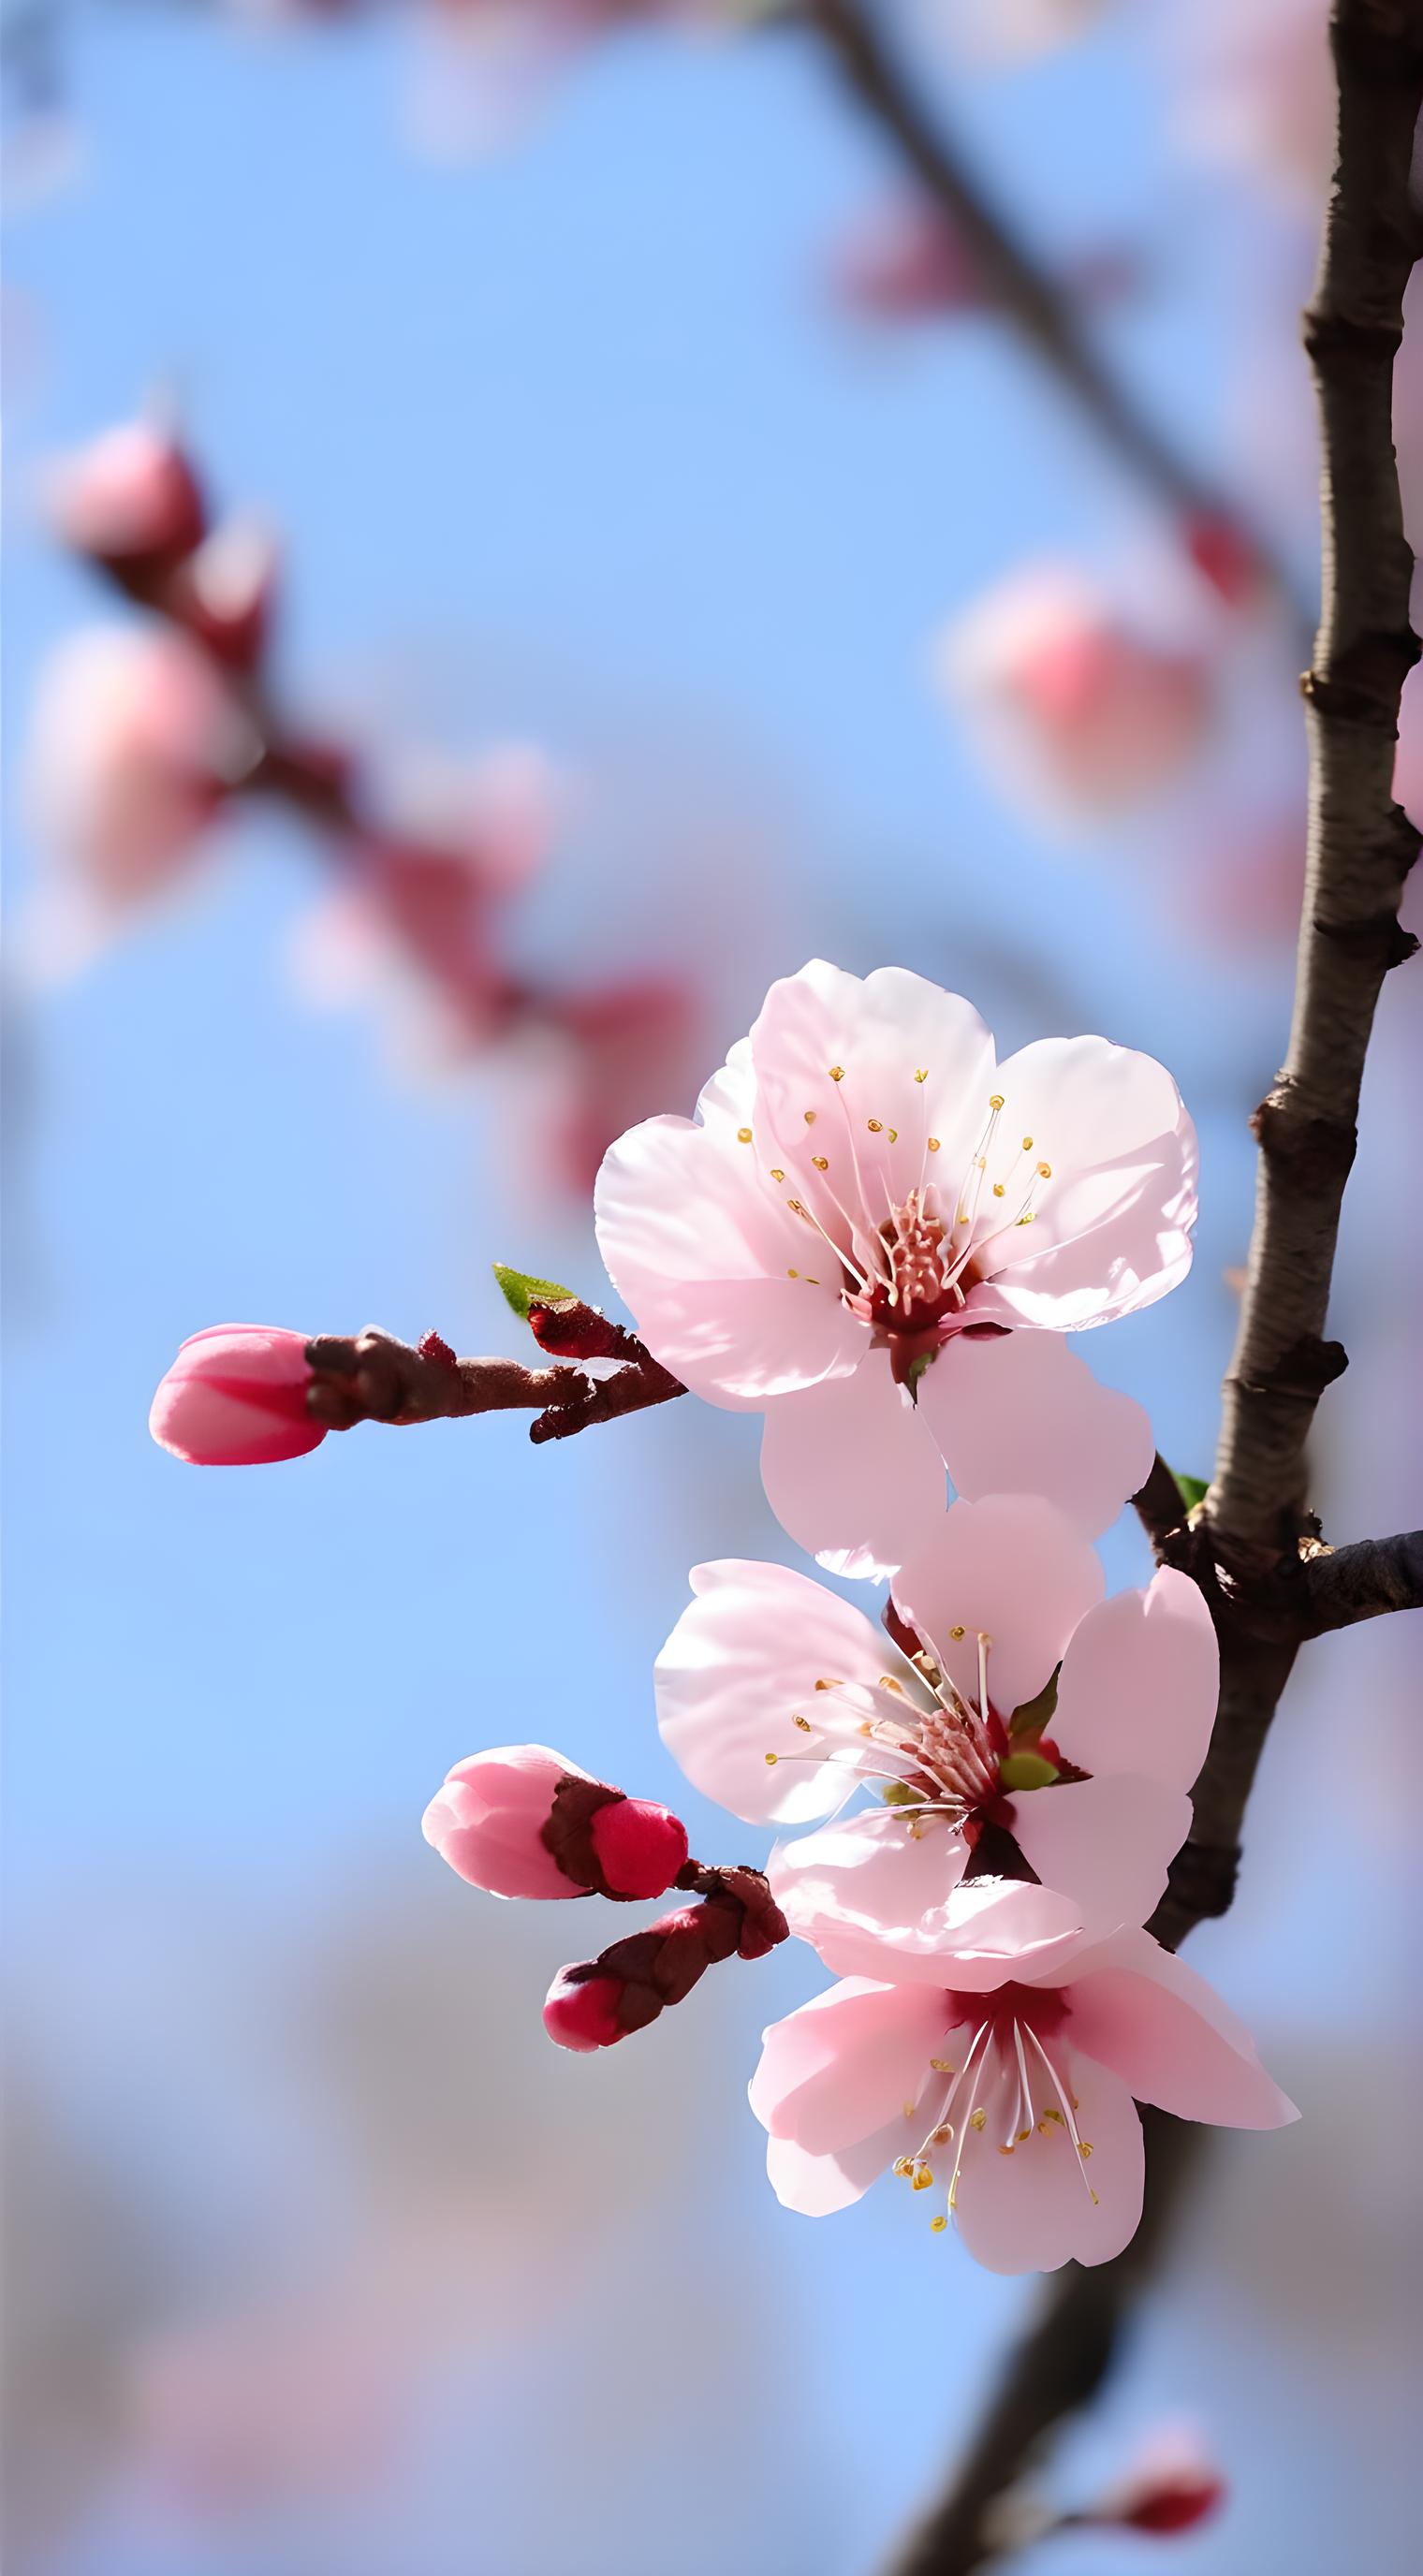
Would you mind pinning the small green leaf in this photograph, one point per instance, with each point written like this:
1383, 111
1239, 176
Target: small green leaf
1026, 1771
898, 1793
915, 1371
1033, 1716
522, 1290
1192, 1489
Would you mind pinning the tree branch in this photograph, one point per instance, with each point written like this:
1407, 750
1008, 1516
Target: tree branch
1345, 1584
1160, 1507
372, 1377
1042, 311
1252, 1547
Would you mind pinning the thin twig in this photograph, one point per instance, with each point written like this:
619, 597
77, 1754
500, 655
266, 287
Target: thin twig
1044, 313
373, 1377
1253, 1547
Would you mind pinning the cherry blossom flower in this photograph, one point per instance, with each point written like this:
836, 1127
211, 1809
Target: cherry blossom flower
519, 1820
1018, 2105
877, 1235
1029, 1731
235, 1396
1083, 703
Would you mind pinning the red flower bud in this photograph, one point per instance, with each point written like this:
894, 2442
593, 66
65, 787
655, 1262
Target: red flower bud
596, 2002
581, 2010
520, 1820
235, 1396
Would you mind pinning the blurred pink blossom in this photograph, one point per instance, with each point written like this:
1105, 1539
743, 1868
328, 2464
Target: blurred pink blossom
1254, 89
131, 493
1072, 698
1012, 31
908, 263
1024, 2096
1072, 1725
225, 591
134, 743
1172, 2484
235, 1396
877, 1236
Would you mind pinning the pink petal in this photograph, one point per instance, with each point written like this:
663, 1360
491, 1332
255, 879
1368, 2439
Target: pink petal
1140, 1682
817, 2185
834, 2071
1020, 1413
1105, 1843
872, 1124
699, 1243
1168, 2035
1111, 1226
850, 1471
1013, 1566
742, 1662
1033, 2211
876, 1901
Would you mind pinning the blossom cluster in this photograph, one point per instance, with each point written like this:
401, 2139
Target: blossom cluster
878, 1236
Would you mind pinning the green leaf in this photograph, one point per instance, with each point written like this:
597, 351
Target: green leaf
1034, 1716
915, 1371
1192, 1489
1026, 1771
522, 1290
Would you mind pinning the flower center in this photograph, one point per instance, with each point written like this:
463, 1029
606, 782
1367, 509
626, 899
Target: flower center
1005, 2082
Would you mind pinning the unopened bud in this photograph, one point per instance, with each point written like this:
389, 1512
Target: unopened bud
1172, 2485
129, 498
596, 2002
581, 2010
235, 1396
521, 1820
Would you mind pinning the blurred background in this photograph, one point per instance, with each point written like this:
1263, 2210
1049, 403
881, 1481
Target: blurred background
586, 538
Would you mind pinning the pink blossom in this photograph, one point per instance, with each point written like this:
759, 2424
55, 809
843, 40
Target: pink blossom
134, 743
1076, 700
235, 1396
130, 496
876, 1235
1019, 2105
520, 1820
907, 263
782, 1701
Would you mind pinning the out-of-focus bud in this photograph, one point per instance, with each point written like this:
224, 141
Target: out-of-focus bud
134, 743
1171, 2487
128, 499
520, 1820
1070, 696
905, 263
630, 1050
224, 592
596, 2002
497, 814
235, 1396
1226, 558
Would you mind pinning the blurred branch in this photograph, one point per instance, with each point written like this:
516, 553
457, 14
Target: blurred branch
372, 1377
1025, 291
1253, 1548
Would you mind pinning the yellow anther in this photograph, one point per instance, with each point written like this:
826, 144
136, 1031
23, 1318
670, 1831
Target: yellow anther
1049, 2114
837, 1073
941, 2066
771, 1760
1044, 1171
978, 2120
803, 1723
940, 2137
795, 1206
1027, 1144
793, 1274
1084, 2148
743, 1135
888, 1682
938, 2225
902, 2168
1022, 2134
933, 1144
995, 1100
821, 1162
1026, 1220
1095, 2201
777, 1176
824, 1685
956, 1633
894, 1135
908, 2110
999, 1191
809, 1117
875, 1126
923, 2177
922, 1074
1005, 2151
866, 1726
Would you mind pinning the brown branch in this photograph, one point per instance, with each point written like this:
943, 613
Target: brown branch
1345, 1584
1253, 1547
1024, 291
1160, 1507
372, 1377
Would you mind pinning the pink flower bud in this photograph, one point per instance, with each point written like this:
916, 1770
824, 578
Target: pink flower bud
235, 1396
581, 2011
1172, 2485
640, 1846
488, 1820
520, 1820
1174, 2507
129, 496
